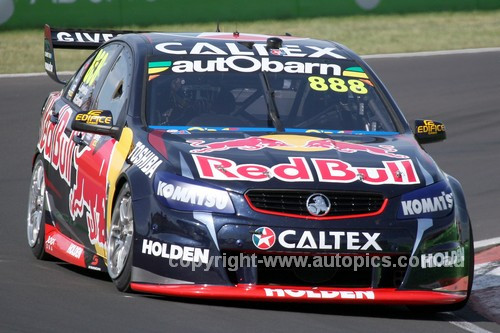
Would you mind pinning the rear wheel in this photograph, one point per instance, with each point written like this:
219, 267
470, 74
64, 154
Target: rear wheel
36, 201
120, 240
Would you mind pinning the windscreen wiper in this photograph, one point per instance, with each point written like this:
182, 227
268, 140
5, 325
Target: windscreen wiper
271, 103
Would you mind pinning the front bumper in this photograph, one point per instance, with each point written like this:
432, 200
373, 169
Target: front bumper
166, 229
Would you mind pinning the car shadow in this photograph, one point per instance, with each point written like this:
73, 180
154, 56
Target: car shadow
351, 310
102, 276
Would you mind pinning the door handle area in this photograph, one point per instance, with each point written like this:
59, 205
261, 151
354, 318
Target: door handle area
54, 116
78, 139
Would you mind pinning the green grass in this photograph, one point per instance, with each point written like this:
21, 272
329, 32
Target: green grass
22, 51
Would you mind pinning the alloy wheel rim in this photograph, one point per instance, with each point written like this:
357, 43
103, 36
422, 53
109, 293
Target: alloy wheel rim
35, 204
120, 238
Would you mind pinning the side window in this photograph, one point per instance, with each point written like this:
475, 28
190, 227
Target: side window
116, 86
69, 91
85, 95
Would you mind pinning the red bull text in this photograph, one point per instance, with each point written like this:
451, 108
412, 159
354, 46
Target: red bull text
55, 145
399, 172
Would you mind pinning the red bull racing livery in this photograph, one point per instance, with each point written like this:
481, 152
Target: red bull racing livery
241, 166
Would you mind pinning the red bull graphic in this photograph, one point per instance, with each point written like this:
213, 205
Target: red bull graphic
223, 169
251, 143
88, 195
293, 142
57, 147
94, 165
400, 172
348, 147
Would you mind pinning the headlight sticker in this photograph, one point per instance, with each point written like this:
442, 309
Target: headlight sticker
185, 194
432, 201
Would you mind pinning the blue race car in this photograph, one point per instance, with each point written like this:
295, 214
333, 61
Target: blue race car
243, 166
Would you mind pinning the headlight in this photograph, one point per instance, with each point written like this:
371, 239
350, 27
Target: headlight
432, 201
182, 193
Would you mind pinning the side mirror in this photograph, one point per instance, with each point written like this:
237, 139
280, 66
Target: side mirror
428, 131
95, 121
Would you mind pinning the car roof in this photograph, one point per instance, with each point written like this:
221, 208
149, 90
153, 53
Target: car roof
209, 43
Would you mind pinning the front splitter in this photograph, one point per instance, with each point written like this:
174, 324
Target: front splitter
387, 296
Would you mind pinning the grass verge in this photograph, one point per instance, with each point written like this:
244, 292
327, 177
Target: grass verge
22, 51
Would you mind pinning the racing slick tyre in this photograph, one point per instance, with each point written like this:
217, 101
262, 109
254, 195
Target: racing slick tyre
120, 240
459, 305
36, 210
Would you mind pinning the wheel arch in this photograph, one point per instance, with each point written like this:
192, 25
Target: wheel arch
33, 159
461, 211
120, 182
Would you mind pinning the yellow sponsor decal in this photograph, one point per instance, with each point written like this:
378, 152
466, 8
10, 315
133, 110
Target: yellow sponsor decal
431, 128
120, 152
360, 75
157, 70
96, 67
338, 85
94, 117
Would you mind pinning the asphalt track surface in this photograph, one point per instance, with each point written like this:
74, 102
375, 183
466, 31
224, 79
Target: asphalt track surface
461, 90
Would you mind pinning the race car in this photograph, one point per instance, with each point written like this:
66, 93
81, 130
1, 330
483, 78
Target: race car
244, 167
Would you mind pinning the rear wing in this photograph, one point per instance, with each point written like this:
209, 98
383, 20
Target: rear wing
73, 39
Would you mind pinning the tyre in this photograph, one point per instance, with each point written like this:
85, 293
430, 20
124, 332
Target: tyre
120, 240
36, 210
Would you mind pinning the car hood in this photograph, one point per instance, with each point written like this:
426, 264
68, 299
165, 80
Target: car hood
237, 161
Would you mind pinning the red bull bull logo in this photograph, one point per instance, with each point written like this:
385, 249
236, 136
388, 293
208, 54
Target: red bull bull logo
399, 172
348, 147
293, 143
250, 144
88, 194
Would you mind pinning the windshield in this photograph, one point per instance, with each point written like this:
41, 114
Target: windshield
329, 94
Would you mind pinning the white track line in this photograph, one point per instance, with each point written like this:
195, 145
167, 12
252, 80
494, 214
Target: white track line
484, 278
486, 243
370, 56
487, 275
462, 323
9, 76
431, 53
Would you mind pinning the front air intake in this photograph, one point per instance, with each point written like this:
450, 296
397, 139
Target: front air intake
294, 203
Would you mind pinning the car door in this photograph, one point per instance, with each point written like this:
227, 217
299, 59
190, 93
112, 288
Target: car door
57, 140
79, 162
99, 158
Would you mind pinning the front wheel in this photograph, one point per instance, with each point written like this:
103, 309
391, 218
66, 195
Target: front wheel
120, 240
461, 304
